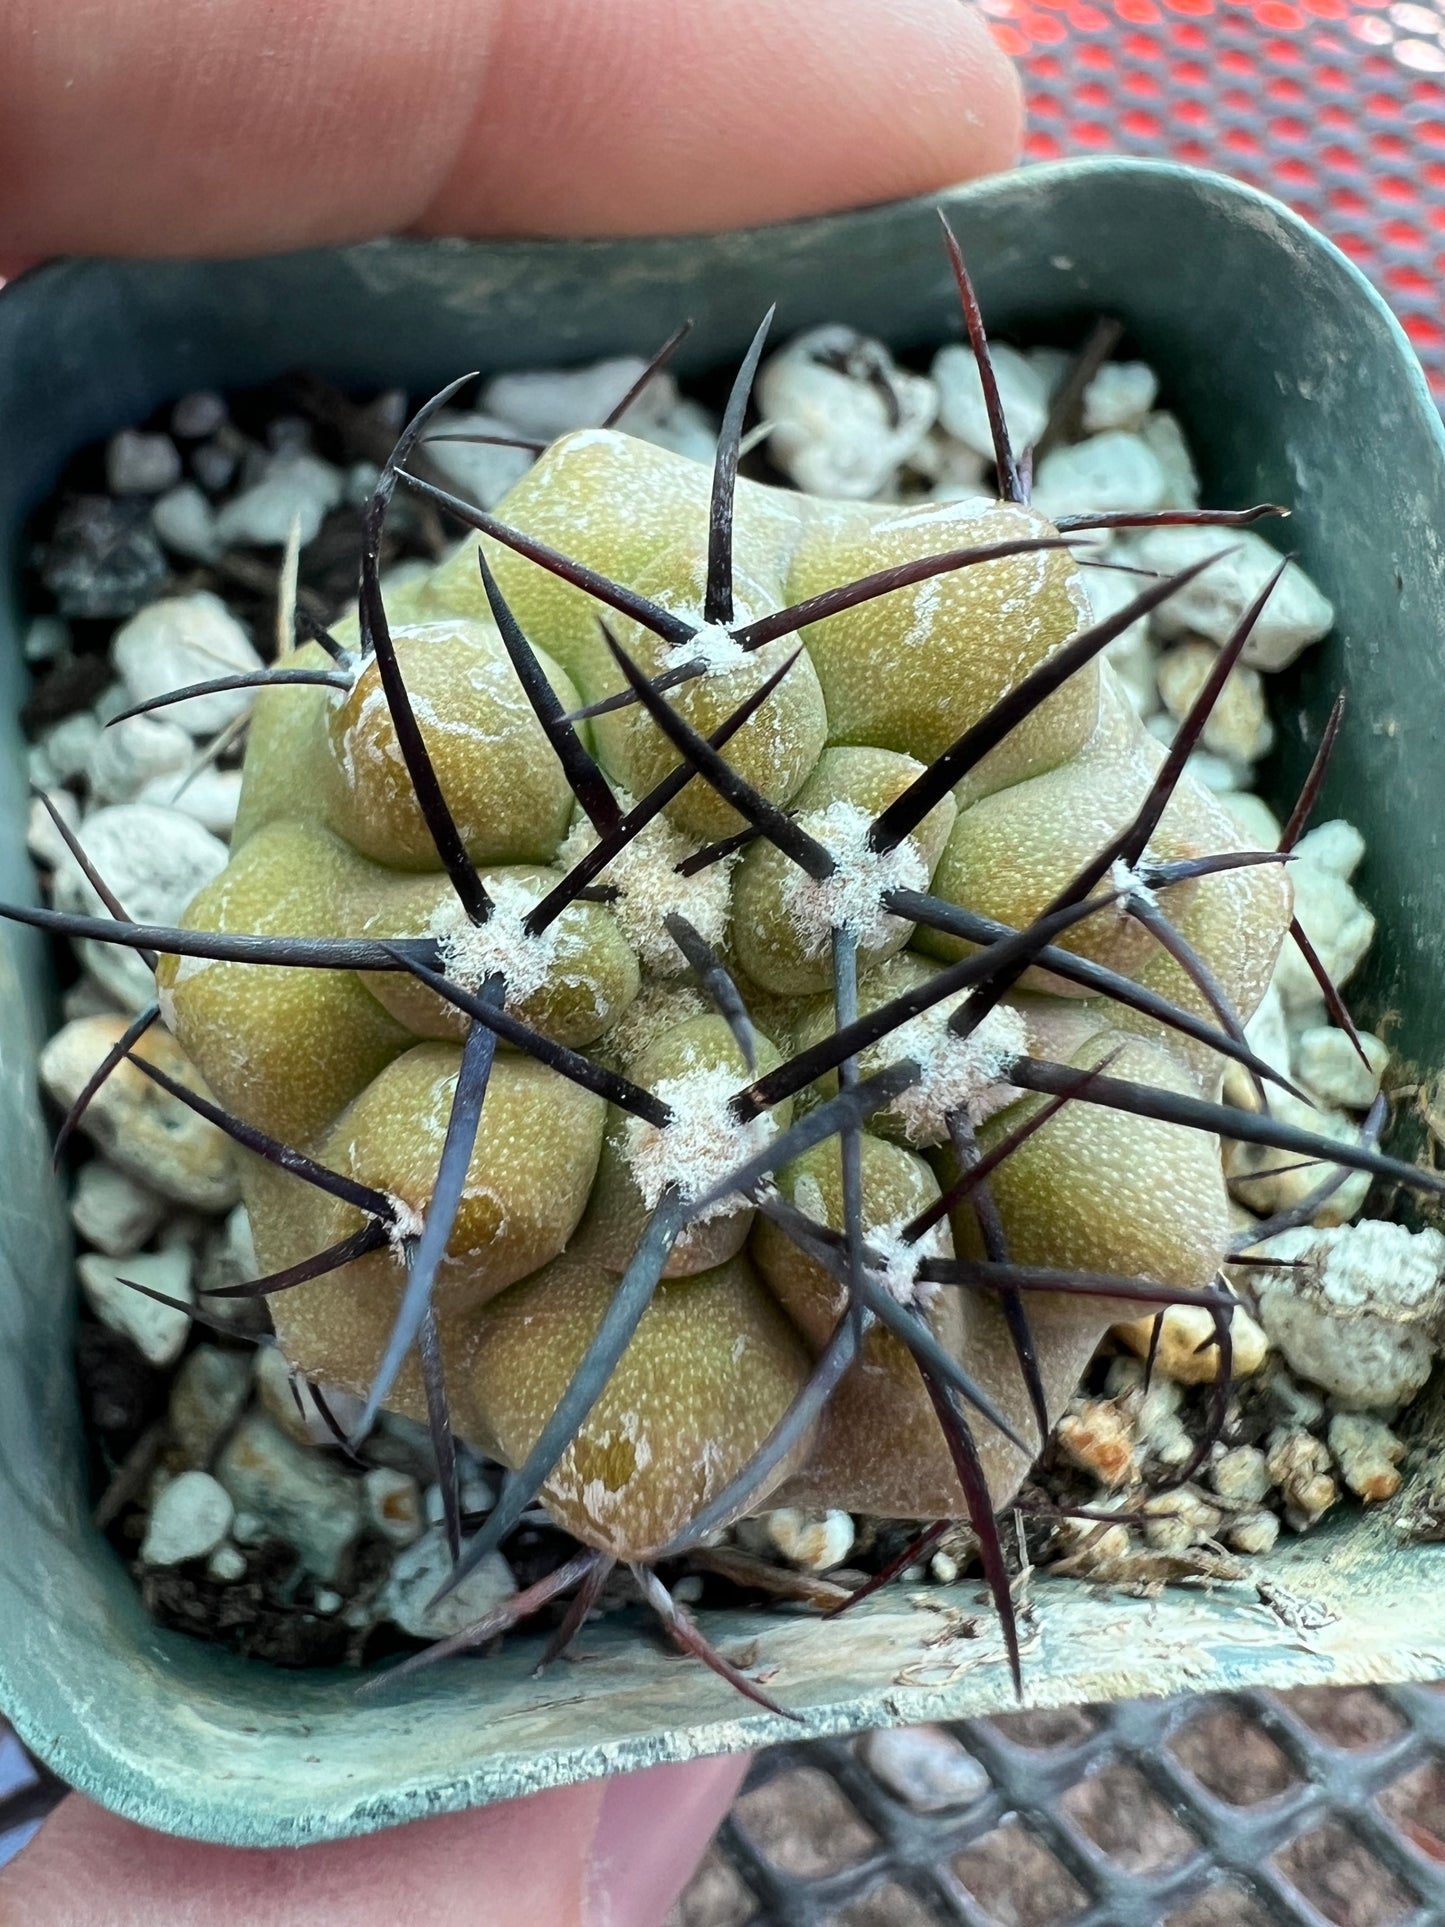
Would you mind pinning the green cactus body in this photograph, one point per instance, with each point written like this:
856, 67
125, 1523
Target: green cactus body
360, 1068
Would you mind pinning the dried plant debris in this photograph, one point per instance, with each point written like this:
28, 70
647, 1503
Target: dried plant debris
760, 1031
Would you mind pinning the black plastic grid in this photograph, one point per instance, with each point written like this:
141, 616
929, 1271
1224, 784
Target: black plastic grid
1235, 1859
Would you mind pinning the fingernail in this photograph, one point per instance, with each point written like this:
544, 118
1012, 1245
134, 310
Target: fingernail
653, 1829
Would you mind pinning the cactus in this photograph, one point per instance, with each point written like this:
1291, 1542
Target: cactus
723, 1001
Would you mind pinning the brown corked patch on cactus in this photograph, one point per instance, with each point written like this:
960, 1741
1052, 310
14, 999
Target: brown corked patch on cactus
941, 955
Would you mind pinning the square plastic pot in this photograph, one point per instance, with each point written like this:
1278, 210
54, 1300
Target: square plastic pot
1295, 385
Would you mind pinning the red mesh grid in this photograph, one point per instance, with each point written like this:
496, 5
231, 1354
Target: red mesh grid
1336, 106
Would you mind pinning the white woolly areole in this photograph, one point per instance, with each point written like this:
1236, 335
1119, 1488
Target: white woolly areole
645, 875
405, 1226
1128, 882
701, 1144
471, 952
852, 898
714, 644
968, 1074
893, 1262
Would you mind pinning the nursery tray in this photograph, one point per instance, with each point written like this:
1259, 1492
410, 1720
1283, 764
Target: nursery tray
1294, 384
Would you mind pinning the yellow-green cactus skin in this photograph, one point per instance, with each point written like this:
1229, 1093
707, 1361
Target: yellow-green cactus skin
360, 1068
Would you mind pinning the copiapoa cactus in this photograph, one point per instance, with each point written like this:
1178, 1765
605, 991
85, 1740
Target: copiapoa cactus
722, 1001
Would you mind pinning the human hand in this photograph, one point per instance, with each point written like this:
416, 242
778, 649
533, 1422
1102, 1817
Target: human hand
609, 1853
236, 126
170, 127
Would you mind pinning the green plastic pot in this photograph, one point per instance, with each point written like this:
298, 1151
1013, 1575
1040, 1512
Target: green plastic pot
1296, 385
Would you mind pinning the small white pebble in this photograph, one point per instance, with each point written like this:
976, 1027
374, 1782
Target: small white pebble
1180, 1519
1240, 1476
686, 428
46, 637
1327, 1064
1297, 1407
1119, 396
954, 471
1335, 846
1368, 1454
1123, 1376
1107, 473
1338, 926
419, 1572
1267, 1034
1216, 773
1288, 1180
290, 1402
1168, 1441
185, 521
198, 414
360, 483
1238, 727
282, 1395
140, 464
178, 641
295, 487
228, 1256
1299, 1465
477, 1496
1131, 655
208, 1394
158, 1331
1361, 1311
925, 1767
68, 744
1162, 432
86, 998
215, 463
546, 402
1186, 1352
297, 1495
1295, 616
288, 434
961, 407
812, 1540
111, 1211
845, 416
227, 1564
188, 1520
212, 797
155, 860
326, 1600
482, 472
42, 839
393, 1505
944, 1568
1050, 365
40, 773
1252, 1533
128, 756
